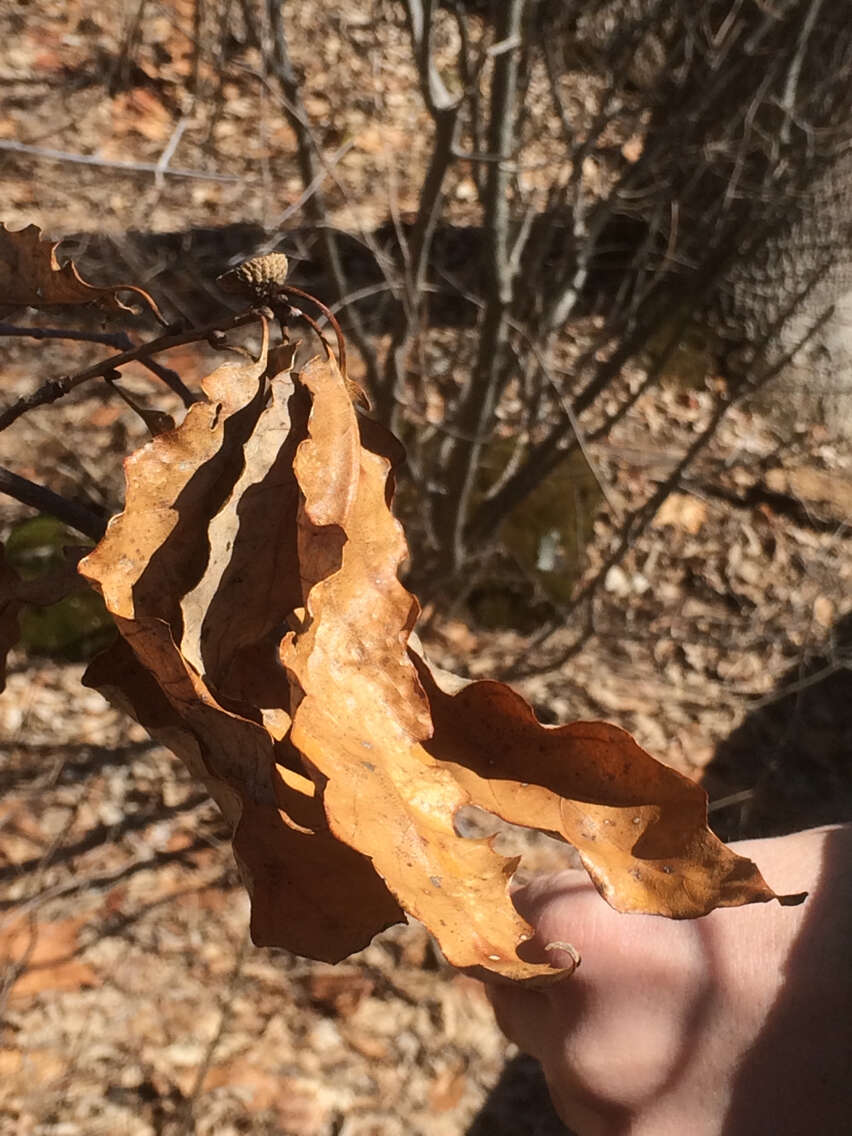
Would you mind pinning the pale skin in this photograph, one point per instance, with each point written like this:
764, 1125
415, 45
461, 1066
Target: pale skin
737, 1024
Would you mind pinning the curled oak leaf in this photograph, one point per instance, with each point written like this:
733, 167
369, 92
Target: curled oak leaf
309, 893
639, 826
155, 551
31, 276
137, 691
234, 616
201, 570
362, 718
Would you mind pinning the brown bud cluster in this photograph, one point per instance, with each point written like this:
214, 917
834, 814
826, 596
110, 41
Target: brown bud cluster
258, 278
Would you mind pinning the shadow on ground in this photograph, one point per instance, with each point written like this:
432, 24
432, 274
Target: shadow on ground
519, 1104
790, 758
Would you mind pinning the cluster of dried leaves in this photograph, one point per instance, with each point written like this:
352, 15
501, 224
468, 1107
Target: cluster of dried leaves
266, 639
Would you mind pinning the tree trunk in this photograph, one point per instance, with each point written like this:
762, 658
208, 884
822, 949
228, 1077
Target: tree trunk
741, 200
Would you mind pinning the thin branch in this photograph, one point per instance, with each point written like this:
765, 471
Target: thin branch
55, 389
329, 315
105, 338
108, 339
85, 521
187, 1125
307, 193
635, 524
111, 163
168, 153
420, 22
788, 100
842, 664
476, 409
310, 159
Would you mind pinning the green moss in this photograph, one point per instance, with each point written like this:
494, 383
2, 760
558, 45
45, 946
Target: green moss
76, 627
549, 532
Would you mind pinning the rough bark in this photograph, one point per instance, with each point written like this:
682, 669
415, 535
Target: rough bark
745, 181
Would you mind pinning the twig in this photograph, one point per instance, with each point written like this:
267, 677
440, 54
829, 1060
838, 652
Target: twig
187, 1125
636, 523
814, 679
85, 521
105, 338
108, 339
120, 73
307, 193
311, 160
111, 163
168, 153
54, 389
564, 405
444, 110
437, 96
329, 315
788, 101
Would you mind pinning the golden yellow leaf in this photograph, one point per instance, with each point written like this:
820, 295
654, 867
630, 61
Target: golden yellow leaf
363, 718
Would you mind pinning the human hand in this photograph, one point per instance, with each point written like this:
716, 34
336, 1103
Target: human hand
737, 1023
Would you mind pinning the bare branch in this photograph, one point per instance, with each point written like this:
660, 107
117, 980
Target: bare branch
55, 389
310, 163
113, 163
76, 516
420, 21
476, 409
109, 339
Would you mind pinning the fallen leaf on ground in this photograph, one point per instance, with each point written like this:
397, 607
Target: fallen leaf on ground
35, 957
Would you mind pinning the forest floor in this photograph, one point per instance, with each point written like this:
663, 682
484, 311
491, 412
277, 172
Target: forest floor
132, 1000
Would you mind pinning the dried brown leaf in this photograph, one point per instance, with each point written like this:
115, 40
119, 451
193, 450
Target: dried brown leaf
639, 826
31, 276
363, 722
36, 957
363, 717
200, 571
342, 771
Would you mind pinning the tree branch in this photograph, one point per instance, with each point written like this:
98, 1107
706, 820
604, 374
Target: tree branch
112, 163
109, 339
54, 389
309, 159
85, 521
477, 404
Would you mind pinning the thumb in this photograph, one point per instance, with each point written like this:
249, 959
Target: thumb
561, 909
